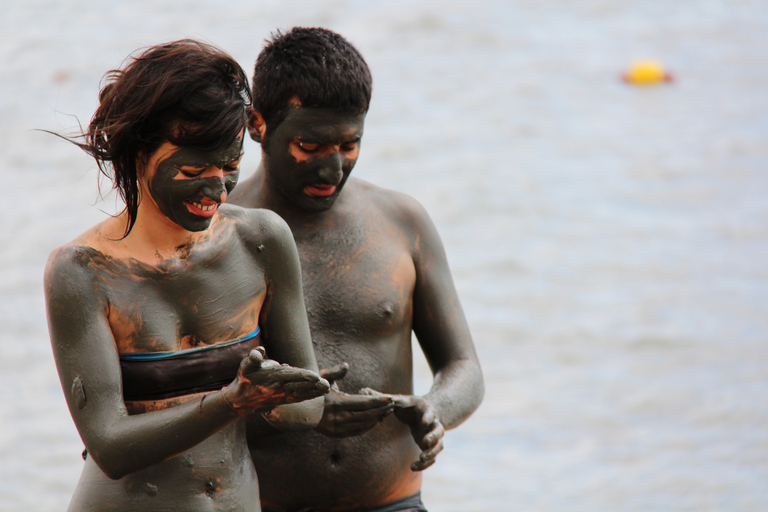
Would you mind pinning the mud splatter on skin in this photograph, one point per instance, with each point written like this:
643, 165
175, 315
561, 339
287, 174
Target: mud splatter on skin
78, 392
212, 488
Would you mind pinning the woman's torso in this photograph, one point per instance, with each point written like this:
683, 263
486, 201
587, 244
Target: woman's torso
217, 474
213, 293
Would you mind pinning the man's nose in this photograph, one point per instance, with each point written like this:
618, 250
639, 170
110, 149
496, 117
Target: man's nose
331, 171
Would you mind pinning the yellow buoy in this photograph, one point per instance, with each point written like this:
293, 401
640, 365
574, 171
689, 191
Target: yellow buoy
647, 72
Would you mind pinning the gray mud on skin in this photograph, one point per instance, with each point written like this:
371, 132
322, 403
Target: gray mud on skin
608, 243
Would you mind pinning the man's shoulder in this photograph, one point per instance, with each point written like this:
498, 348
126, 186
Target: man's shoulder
400, 210
390, 203
245, 193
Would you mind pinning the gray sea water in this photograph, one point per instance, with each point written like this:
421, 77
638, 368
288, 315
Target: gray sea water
609, 242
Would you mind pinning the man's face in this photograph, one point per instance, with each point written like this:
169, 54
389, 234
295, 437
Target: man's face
310, 155
188, 185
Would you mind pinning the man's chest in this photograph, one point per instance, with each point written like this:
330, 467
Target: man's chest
358, 284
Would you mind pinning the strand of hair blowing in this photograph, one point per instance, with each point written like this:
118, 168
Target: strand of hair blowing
186, 92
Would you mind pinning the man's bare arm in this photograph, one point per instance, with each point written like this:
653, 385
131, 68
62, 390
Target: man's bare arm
443, 334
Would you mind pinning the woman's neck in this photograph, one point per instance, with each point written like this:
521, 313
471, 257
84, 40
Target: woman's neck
154, 239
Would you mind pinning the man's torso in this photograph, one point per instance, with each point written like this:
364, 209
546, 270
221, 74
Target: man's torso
358, 279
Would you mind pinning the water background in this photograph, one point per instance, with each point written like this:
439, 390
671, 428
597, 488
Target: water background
609, 243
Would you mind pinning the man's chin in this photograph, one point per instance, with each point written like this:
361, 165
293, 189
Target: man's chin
319, 204
315, 204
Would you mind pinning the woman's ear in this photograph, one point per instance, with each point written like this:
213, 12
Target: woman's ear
256, 125
141, 165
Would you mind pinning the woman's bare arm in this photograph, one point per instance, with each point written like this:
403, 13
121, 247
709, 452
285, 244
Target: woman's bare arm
88, 365
283, 319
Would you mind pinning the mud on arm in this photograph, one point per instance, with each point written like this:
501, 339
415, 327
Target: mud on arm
443, 334
283, 320
441, 328
87, 361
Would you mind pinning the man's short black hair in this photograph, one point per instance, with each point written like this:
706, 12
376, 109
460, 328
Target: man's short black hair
315, 65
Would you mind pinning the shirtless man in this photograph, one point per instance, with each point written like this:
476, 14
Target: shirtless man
373, 270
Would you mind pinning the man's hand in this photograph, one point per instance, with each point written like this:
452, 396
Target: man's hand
345, 414
425, 426
264, 384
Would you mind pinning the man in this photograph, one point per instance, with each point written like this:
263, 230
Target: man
374, 270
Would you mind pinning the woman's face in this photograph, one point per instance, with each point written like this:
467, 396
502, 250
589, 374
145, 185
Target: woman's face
188, 184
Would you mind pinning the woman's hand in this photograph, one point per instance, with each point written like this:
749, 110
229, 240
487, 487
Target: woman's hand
262, 384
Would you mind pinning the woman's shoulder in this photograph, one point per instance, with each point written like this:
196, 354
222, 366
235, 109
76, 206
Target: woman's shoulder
71, 268
81, 256
78, 250
257, 224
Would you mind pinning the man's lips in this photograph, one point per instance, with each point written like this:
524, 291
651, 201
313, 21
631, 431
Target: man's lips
319, 190
206, 209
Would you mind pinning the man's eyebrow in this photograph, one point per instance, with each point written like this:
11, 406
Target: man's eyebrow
312, 138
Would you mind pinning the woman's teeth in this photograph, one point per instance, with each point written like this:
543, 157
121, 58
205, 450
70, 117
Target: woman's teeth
202, 207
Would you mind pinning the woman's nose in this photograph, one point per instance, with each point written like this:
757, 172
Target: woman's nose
214, 188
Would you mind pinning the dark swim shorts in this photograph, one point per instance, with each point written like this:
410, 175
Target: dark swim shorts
410, 503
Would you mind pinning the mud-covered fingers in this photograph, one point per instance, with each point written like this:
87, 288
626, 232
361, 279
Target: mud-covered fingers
385, 410
427, 430
434, 435
427, 457
370, 413
347, 414
364, 402
304, 389
401, 402
277, 397
335, 373
289, 373
345, 423
373, 392
253, 361
409, 409
429, 422
273, 375
367, 407
258, 355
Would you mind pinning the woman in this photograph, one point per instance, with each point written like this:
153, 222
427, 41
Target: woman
160, 316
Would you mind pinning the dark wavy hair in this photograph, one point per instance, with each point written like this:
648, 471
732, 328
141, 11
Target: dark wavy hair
186, 92
316, 65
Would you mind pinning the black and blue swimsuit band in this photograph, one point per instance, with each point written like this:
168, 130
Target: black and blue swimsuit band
147, 356
158, 375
